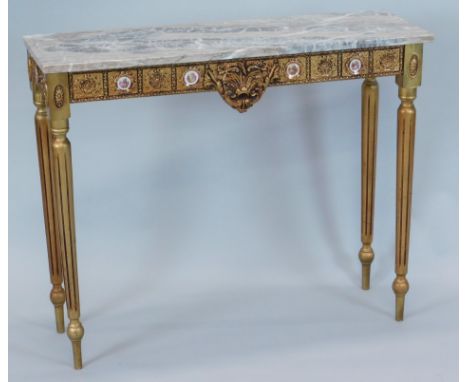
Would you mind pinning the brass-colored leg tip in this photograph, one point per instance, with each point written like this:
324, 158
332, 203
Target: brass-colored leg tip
400, 286
77, 359
75, 332
366, 255
366, 276
59, 319
399, 308
57, 297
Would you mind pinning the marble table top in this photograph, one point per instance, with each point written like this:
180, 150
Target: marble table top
173, 44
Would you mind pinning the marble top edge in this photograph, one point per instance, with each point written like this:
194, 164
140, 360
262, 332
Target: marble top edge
215, 41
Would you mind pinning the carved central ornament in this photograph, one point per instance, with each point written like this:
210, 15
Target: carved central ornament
241, 84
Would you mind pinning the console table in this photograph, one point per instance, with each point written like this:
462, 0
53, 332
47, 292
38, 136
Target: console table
239, 60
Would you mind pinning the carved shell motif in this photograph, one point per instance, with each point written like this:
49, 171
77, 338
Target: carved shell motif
325, 66
59, 96
241, 84
156, 78
387, 61
87, 84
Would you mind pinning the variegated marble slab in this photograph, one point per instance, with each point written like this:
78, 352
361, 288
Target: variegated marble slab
166, 45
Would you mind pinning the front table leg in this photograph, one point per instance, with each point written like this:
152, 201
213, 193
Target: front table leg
370, 103
407, 83
59, 112
57, 294
405, 152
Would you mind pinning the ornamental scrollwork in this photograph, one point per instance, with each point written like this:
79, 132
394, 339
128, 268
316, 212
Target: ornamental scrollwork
242, 84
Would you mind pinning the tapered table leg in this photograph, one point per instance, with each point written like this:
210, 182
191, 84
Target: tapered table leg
57, 294
407, 83
405, 153
59, 112
370, 101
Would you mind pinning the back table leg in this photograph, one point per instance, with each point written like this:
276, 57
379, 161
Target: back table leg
370, 102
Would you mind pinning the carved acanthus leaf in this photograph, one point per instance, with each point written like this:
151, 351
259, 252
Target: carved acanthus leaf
241, 84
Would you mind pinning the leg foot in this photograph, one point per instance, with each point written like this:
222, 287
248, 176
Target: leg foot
57, 297
400, 287
366, 255
75, 332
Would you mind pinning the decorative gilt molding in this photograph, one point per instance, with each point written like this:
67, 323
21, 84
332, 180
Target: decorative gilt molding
413, 66
324, 67
241, 84
222, 75
123, 82
156, 80
386, 60
410, 76
36, 80
59, 96
87, 85
358, 58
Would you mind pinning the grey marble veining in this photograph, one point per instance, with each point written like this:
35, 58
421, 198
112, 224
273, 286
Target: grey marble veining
123, 48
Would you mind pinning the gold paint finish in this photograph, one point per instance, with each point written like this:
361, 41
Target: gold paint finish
64, 208
180, 72
407, 82
386, 60
405, 157
282, 75
59, 96
363, 56
323, 66
242, 84
87, 86
157, 80
412, 66
57, 297
113, 77
162, 80
369, 118
57, 293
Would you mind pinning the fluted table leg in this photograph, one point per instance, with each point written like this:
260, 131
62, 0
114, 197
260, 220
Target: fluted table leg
370, 103
405, 153
407, 85
59, 110
57, 293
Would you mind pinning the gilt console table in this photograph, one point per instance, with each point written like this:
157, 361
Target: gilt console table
239, 60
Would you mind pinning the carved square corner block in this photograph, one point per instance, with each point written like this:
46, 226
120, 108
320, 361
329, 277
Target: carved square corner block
292, 69
386, 60
87, 86
323, 66
355, 63
122, 82
157, 80
190, 77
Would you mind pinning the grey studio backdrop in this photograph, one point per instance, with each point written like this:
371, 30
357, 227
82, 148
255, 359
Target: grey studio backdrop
218, 246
